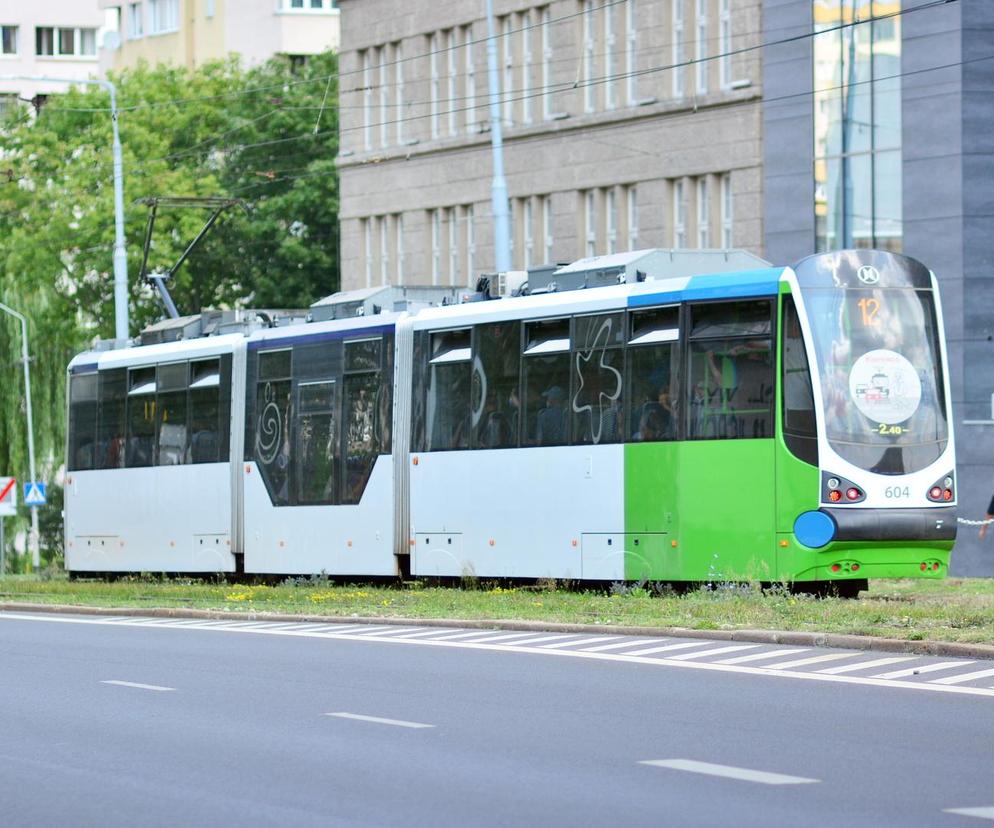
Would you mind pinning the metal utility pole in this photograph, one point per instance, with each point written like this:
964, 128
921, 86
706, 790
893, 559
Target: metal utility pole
120, 254
498, 190
33, 539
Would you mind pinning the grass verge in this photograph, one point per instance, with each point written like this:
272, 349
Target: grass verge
959, 610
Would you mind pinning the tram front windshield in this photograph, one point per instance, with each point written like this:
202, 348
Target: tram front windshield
873, 321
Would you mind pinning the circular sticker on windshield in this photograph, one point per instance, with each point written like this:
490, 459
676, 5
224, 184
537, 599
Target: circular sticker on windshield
885, 386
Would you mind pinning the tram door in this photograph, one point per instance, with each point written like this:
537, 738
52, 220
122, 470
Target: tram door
727, 476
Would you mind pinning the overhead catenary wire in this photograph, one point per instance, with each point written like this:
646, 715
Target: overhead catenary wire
568, 86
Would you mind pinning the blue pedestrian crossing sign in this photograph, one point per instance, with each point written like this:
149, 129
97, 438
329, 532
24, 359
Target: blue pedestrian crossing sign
34, 494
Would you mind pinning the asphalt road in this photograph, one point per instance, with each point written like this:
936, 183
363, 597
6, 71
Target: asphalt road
121, 724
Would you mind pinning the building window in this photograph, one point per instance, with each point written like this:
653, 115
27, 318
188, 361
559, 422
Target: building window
546, 202
452, 64
136, 21
725, 43
677, 48
546, 64
367, 250
64, 42
631, 55
435, 85
8, 40
857, 129
469, 215
512, 231
452, 217
398, 71
529, 233
306, 5
384, 98
469, 69
384, 251
609, 73
209, 13
703, 213
726, 210
507, 82
526, 67
631, 197
163, 16
435, 220
590, 223
367, 99
398, 224
588, 55
612, 221
701, 50
679, 214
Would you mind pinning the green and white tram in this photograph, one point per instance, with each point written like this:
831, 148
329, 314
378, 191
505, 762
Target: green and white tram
683, 425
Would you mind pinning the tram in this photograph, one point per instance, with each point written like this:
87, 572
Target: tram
674, 416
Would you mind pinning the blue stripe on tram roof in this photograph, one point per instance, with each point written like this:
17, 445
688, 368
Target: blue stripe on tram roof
734, 285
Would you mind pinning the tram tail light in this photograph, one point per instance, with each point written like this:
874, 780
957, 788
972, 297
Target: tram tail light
853, 493
942, 490
835, 495
924, 566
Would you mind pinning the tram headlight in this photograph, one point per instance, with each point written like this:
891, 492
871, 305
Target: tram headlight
833, 483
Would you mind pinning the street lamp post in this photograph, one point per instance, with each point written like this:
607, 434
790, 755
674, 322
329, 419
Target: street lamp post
120, 255
33, 539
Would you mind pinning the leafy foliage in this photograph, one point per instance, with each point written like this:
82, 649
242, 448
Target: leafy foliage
218, 130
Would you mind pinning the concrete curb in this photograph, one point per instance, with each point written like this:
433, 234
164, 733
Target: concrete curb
803, 639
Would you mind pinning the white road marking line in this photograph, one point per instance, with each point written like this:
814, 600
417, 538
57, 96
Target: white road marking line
669, 647
625, 658
759, 656
593, 640
457, 636
978, 674
866, 665
631, 642
981, 813
540, 640
729, 772
139, 686
925, 668
378, 720
434, 631
390, 630
717, 651
503, 637
804, 662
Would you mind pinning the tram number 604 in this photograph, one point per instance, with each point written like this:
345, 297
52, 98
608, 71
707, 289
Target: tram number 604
895, 492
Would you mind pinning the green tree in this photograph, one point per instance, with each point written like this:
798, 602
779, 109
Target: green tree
218, 130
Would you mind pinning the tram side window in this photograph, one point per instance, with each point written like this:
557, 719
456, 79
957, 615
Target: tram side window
730, 377
495, 397
206, 445
273, 411
799, 427
82, 421
140, 449
598, 369
360, 415
546, 369
316, 449
113, 388
171, 414
419, 390
653, 355
447, 407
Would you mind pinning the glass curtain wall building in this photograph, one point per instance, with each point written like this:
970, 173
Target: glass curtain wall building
857, 124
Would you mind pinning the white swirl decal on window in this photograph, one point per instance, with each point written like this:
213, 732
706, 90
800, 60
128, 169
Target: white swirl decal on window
599, 345
270, 431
